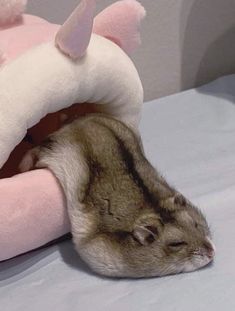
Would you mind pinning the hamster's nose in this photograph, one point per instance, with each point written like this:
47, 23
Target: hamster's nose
209, 249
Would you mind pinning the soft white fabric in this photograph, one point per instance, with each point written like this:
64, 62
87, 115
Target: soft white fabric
190, 137
43, 80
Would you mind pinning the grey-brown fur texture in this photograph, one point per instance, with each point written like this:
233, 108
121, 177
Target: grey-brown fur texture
126, 220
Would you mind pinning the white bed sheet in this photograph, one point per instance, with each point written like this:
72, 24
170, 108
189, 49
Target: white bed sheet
190, 138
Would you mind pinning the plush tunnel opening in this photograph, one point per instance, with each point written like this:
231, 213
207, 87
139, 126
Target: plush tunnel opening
35, 135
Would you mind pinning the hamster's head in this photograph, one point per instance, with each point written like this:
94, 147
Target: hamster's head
176, 238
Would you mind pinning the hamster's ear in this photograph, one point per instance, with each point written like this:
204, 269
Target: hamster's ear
145, 235
74, 35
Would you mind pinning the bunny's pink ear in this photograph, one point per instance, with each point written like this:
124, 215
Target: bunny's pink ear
120, 23
74, 36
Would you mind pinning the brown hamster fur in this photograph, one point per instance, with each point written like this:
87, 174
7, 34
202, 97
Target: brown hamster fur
126, 220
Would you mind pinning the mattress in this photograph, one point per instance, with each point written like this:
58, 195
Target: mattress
190, 138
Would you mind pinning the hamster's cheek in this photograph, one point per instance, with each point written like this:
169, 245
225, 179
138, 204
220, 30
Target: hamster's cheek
195, 263
189, 266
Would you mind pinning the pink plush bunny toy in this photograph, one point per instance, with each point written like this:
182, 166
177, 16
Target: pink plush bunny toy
47, 73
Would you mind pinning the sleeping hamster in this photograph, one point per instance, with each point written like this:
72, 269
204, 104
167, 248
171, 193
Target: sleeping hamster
126, 220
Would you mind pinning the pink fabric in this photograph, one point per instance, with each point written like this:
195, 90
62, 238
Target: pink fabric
31, 32
119, 23
32, 212
11, 11
32, 209
125, 31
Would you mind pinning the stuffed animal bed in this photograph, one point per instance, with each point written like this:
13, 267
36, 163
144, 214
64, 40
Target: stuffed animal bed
49, 73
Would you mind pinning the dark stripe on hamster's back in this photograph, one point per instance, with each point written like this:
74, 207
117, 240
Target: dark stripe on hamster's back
166, 215
130, 163
95, 169
131, 168
148, 194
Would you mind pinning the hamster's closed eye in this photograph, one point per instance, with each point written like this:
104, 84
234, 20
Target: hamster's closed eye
176, 244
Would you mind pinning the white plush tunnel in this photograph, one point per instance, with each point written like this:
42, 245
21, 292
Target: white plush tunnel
79, 67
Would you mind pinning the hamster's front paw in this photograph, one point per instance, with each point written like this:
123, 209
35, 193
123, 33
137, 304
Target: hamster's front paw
29, 160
